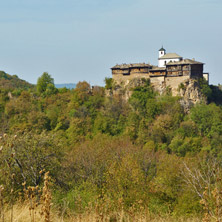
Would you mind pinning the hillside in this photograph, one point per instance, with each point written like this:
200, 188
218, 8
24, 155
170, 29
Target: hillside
106, 154
13, 81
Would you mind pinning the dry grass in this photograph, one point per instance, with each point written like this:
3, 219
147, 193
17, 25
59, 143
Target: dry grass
46, 199
1, 204
22, 214
129, 218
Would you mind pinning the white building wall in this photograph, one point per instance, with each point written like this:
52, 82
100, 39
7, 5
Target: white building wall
162, 62
206, 76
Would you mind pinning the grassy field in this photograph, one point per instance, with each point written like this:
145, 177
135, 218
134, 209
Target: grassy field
22, 213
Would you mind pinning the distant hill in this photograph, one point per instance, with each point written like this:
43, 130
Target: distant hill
13, 82
67, 85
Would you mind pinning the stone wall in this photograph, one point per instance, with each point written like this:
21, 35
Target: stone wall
125, 79
174, 82
160, 83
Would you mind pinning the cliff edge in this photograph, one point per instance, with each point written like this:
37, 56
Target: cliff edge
189, 91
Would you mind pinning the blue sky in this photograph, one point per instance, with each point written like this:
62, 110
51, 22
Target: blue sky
77, 40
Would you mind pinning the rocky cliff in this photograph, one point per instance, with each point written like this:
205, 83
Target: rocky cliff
188, 90
190, 93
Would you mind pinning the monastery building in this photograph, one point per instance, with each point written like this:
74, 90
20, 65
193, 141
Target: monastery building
172, 70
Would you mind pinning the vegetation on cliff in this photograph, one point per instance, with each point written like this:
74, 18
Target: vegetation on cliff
108, 154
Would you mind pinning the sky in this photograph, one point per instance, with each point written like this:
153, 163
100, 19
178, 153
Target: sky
77, 40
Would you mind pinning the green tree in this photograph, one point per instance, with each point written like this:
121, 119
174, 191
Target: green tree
125, 181
51, 89
208, 119
141, 96
27, 155
109, 83
45, 82
205, 88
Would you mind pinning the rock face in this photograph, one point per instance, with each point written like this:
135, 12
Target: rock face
125, 89
190, 94
188, 89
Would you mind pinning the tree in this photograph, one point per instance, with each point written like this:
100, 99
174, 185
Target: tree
51, 89
208, 119
109, 83
27, 155
81, 94
45, 82
141, 96
202, 175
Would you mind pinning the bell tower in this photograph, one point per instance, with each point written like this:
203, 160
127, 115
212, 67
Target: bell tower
162, 52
